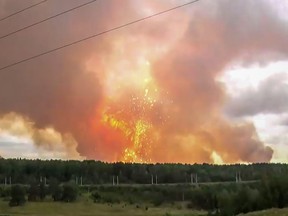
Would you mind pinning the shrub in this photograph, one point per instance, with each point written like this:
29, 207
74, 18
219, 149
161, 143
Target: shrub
70, 192
5, 192
17, 196
96, 197
158, 200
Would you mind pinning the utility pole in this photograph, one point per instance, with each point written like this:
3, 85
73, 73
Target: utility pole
152, 182
117, 180
156, 179
194, 178
113, 180
238, 177
45, 181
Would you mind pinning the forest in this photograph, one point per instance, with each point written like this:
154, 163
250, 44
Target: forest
215, 189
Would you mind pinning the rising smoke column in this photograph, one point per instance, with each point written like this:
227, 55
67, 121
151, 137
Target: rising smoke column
147, 93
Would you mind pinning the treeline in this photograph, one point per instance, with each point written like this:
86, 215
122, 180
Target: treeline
20, 171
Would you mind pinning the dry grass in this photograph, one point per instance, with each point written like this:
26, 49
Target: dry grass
88, 209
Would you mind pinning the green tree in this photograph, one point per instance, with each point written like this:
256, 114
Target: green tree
70, 192
17, 196
226, 204
42, 191
33, 192
55, 190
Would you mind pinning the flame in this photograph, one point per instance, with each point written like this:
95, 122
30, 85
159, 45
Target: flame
131, 94
136, 132
127, 112
136, 137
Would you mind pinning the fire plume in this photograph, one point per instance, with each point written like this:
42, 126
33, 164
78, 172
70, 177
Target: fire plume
135, 127
148, 92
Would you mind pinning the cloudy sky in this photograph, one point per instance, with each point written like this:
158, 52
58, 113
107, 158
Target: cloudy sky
207, 82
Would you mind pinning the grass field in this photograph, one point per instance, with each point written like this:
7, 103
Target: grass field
86, 208
89, 208
270, 212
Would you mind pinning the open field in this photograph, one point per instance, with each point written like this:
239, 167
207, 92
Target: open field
270, 212
88, 208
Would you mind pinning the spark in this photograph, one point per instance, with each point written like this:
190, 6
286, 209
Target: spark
135, 133
117, 124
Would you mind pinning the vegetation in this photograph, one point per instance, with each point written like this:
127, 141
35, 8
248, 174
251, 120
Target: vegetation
270, 212
70, 192
17, 196
216, 193
95, 172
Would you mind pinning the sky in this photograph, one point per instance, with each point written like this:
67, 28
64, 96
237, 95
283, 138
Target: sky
206, 83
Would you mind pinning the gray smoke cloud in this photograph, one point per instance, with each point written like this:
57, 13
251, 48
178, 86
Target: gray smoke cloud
270, 97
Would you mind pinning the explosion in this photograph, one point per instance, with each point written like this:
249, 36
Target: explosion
136, 136
132, 120
146, 93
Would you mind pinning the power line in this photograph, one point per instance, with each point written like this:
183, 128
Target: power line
49, 18
98, 34
22, 10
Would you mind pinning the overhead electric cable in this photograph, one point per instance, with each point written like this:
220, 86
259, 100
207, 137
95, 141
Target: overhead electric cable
46, 19
22, 10
98, 34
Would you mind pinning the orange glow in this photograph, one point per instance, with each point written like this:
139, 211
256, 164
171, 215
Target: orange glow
135, 130
159, 104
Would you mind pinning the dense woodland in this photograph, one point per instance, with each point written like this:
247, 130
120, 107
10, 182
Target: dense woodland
95, 172
258, 186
